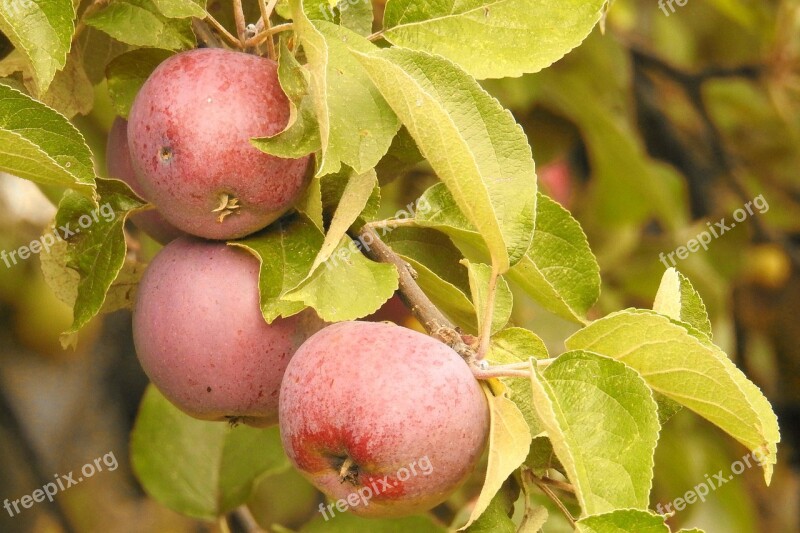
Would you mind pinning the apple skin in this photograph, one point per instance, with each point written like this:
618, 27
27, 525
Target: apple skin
189, 132
384, 397
119, 166
201, 338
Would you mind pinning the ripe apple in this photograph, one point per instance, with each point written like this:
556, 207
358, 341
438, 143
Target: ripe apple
119, 166
201, 338
189, 132
385, 418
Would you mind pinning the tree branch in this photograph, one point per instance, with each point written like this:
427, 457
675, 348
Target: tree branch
417, 301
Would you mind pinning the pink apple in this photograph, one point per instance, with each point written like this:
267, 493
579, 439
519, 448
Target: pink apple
189, 133
118, 164
386, 419
201, 338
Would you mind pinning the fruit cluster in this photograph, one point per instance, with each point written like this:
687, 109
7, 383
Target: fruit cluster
356, 401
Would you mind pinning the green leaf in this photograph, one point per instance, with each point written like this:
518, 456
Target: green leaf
516, 345
333, 187
43, 31
497, 517
97, 49
177, 9
509, 442
65, 281
534, 519
39, 144
603, 423
356, 15
71, 91
479, 278
310, 204
340, 85
138, 22
348, 286
354, 199
493, 38
440, 273
200, 469
694, 373
559, 271
349, 523
300, 137
471, 142
677, 299
623, 521
127, 73
97, 249
286, 251
402, 156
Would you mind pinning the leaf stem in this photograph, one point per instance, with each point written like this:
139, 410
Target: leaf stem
377, 36
528, 475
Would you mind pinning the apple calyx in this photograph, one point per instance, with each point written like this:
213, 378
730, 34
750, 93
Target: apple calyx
228, 204
348, 470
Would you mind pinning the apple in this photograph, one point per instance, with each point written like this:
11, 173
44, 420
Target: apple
383, 418
189, 133
119, 166
201, 338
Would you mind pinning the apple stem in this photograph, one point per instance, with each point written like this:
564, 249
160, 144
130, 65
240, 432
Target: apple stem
423, 309
348, 471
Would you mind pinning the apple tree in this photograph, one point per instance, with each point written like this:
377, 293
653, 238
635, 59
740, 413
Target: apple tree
256, 141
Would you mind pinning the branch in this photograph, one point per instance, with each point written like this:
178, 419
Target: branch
418, 302
238, 16
226, 35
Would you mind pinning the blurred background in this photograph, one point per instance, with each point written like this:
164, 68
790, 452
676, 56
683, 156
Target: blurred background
663, 123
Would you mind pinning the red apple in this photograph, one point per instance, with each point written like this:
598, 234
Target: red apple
387, 419
201, 338
189, 133
119, 166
